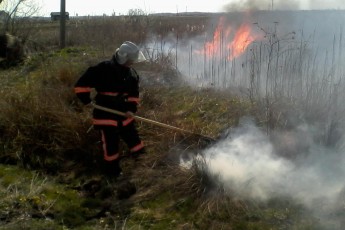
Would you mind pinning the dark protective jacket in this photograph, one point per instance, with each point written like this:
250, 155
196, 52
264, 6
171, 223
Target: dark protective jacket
116, 86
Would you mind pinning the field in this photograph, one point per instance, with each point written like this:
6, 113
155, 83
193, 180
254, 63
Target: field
269, 96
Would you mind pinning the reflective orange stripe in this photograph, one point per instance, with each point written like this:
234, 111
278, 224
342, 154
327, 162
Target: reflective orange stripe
109, 93
111, 158
111, 122
137, 147
133, 99
104, 122
127, 121
105, 152
82, 89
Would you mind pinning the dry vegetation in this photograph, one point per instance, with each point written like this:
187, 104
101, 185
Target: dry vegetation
61, 185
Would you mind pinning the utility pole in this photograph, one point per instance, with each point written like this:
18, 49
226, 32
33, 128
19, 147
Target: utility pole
62, 23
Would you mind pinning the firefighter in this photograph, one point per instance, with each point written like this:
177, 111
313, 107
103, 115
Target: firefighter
116, 85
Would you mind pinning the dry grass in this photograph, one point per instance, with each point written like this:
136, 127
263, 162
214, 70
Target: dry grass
39, 120
44, 126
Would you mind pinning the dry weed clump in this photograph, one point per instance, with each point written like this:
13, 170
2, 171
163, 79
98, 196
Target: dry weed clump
39, 125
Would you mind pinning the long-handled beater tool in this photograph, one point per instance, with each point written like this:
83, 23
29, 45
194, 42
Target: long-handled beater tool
151, 122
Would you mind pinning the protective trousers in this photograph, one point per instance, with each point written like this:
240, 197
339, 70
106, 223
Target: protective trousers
110, 143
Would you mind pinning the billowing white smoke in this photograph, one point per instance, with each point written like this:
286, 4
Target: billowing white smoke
243, 5
248, 164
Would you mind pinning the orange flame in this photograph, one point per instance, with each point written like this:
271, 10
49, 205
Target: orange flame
215, 46
242, 39
236, 43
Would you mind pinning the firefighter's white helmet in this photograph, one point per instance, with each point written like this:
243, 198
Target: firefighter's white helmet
129, 51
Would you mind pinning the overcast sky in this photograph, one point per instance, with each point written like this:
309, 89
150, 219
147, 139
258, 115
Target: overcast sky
99, 7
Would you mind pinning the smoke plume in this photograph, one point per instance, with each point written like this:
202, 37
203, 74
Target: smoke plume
307, 161
252, 5
254, 166
321, 4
